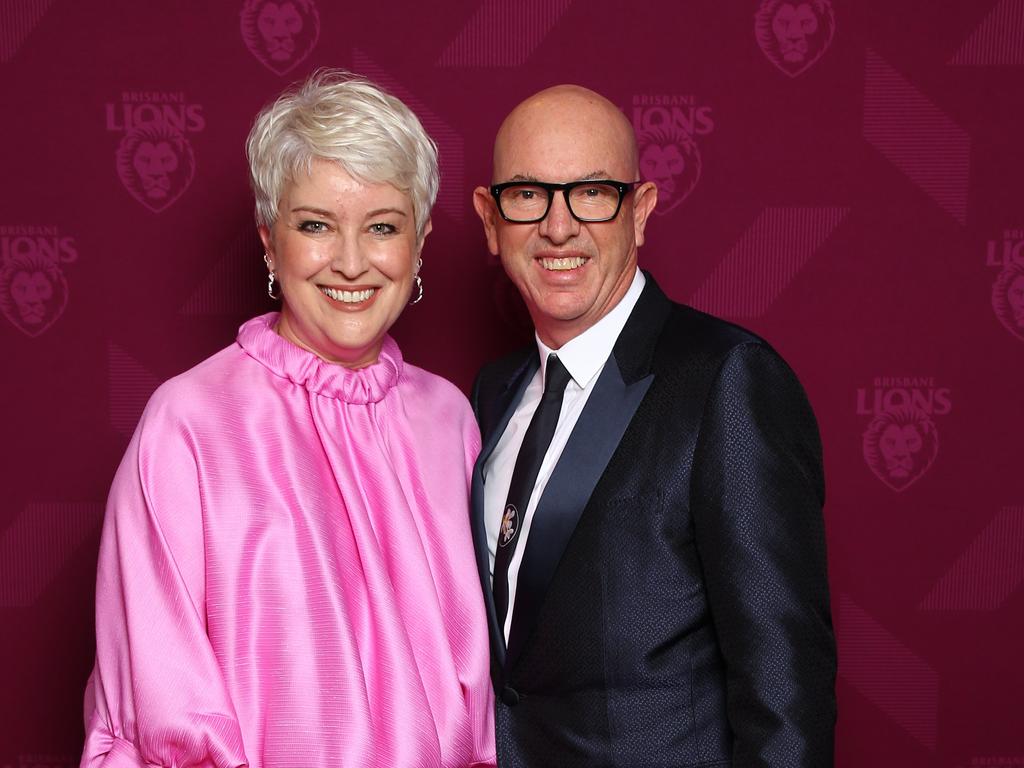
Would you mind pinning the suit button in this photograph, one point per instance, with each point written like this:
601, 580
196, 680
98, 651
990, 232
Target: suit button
510, 695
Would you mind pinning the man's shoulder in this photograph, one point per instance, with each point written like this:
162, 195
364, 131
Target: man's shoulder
504, 368
494, 378
691, 331
696, 349
678, 334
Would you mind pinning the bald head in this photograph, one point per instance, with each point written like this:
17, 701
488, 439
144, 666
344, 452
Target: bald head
558, 119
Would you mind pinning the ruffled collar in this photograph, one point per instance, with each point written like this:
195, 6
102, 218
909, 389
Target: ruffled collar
365, 385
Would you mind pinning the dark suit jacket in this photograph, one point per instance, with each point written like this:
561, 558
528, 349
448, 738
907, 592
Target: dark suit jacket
672, 607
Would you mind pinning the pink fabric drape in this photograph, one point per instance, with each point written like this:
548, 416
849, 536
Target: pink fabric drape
286, 574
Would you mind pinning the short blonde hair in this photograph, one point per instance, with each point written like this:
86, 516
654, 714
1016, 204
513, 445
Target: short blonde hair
340, 117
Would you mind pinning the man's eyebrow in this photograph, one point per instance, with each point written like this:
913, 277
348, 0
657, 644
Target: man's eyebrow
588, 177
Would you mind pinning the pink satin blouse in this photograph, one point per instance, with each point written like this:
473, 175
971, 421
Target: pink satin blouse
286, 576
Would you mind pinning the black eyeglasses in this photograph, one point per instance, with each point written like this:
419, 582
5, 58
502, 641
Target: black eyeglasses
527, 202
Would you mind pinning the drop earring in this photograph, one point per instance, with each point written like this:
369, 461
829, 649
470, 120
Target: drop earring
271, 277
419, 283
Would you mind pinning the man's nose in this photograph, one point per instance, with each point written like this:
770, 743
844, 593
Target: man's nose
559, 225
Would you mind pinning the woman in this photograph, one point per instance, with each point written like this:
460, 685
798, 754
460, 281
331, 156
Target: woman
286, 575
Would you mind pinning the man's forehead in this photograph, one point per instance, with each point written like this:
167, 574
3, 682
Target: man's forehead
570, 147
522, 164
527, 177
562, 134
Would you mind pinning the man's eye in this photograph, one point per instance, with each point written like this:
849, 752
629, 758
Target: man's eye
313, 226
526, 194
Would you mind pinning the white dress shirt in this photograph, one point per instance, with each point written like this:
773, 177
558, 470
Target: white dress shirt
584, 357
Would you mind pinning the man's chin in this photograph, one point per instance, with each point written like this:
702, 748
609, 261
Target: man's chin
559, 311
561, 307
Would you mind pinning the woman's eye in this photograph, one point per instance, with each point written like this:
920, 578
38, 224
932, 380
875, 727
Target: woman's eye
313, 226
383, 229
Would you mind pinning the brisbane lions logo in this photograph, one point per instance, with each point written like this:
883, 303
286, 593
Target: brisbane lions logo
33, 293
900, 445
155, 164
509, 525
794, 33
669, 157
1008, 299
280, 34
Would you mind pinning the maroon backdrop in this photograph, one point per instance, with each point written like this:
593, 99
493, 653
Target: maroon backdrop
842, 176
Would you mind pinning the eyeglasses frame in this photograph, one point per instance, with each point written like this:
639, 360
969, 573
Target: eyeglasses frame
623, 188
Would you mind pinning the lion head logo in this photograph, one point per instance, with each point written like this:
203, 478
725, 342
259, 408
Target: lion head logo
1008, 299
33, 292
669, 157
794, 35
280, 34
900, 445
156, 165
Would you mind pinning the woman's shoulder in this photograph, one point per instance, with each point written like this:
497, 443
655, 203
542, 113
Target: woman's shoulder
216, 380
440, 399
440, 407
431, 385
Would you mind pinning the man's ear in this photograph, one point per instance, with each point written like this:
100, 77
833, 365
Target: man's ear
488, 213
645, 197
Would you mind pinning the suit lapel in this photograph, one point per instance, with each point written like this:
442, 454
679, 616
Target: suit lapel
593, 441
493, 424
617, 394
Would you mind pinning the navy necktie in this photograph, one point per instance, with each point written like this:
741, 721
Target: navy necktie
524, 477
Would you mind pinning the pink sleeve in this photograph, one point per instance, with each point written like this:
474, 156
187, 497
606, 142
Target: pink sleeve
482, 693
156, 695
471, 439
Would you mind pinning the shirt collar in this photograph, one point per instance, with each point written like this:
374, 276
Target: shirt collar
585, 355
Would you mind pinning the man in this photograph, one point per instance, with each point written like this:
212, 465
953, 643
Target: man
648, 500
